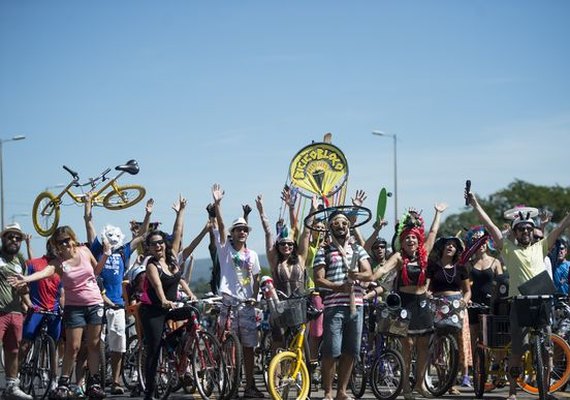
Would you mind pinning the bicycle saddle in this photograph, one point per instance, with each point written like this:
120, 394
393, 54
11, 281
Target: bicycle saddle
131, 167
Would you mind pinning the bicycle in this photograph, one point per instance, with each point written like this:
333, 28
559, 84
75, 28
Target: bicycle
38, 369
378, 362
289, 376
190, 347
104, 192
491, 363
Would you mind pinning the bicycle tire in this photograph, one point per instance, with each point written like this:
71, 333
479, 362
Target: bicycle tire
357, 381
43, 377
386, 378
45, 213
233, 357
541, 372
284, 386
560, 372
129, 372
266, 356
124, 197
443, 364
479, 373
208, 366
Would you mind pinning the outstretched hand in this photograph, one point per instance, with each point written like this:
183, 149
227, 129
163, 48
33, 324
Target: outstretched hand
180, 204
149, 205
16, 280
217, 192
440, 207
246, 210
259, 202
359, 198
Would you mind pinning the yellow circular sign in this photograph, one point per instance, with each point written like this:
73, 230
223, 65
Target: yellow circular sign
319, 168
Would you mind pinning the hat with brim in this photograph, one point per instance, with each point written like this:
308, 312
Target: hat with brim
441, 242
15, 228
239, 223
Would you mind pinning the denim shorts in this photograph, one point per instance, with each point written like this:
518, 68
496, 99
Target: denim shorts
342, 331
79, 316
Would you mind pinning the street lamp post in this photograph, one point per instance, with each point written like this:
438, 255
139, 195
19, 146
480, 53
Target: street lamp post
393, 136
2, 141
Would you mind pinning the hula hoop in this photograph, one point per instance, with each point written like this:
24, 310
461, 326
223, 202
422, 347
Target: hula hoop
349, 211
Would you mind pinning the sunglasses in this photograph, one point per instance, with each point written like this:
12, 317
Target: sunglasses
283, 244
524, 229
63, 241
157, 242
16, 238
241, 229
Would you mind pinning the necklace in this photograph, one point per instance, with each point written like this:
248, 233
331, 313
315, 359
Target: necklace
449, 277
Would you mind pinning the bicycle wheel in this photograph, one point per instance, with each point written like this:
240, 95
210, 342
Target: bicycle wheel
130, 371
479, 373
123, 197
233, 358
541, 367
208, 366
560, 367
44, 368
357, 382
386, 376
45, 213
443, 364
265, 354
284, 383
165, 379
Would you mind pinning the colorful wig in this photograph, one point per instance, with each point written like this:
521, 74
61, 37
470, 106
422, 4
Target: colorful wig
413, 223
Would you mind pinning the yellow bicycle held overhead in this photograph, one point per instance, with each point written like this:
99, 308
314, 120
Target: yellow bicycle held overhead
104, 191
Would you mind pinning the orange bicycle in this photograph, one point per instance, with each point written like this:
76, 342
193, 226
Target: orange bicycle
104, 192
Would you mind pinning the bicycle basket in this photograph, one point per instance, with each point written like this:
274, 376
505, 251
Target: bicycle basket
392, 321
289, 312
534, 311
495, 330
448, 314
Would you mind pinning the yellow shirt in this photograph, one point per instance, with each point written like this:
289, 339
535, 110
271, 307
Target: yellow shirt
523, 263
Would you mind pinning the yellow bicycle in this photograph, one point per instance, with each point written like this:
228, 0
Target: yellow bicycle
104, 191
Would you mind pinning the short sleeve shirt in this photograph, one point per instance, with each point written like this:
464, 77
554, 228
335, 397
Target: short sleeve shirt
9, 297
113, 271
523, 263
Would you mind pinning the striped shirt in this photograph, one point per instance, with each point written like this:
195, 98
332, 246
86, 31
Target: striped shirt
336, 271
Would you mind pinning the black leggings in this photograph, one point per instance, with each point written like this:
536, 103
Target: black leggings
153, 319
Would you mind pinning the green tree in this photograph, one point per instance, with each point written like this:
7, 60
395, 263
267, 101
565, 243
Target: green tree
555, 199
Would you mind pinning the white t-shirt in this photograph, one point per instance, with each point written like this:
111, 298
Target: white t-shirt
237, 269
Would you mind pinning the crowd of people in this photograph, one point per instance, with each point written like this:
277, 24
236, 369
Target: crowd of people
98, 281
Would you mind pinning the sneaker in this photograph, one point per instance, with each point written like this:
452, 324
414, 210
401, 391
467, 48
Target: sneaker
253, 393
117, 389
14, 392
75, 392
466, 382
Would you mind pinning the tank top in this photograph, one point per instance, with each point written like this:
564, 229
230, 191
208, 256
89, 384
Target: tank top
482, 287
289, 284
413, 274
80, 283
169, 287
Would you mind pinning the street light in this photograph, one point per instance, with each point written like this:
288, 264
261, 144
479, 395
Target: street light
393, 136
2, 141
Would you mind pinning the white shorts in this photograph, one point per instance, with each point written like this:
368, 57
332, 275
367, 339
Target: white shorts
116, 337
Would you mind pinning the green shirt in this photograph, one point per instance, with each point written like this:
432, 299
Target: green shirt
523, 263
10, 299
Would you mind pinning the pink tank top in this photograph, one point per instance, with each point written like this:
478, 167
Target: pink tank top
80, 283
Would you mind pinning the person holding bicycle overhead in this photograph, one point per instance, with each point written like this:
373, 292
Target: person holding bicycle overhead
111, 278
83, 310
524, 260
335, 269
163, 277
239, 277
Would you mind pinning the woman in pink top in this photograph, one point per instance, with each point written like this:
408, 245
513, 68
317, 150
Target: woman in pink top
83, 304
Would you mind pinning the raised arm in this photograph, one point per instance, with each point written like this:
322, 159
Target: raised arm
556, 232
179, 207
98, 265
378, 225
289, 200
146, 222
88, 217
218, 195
432, 234
188, 250
28, 240
270, 249
305, 238
493, 230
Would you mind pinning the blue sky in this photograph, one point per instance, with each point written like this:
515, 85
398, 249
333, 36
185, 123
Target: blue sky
228, 92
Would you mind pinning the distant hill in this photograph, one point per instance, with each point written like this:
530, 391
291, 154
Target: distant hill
203, 269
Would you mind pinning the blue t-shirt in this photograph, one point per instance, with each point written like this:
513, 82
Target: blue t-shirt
113, 271
560, 277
